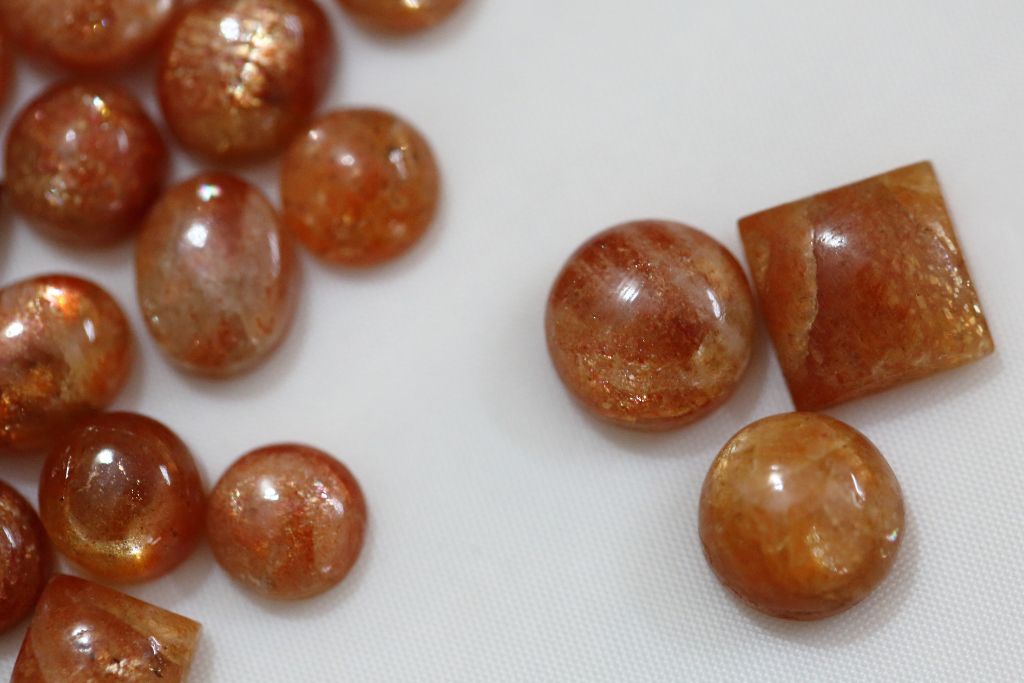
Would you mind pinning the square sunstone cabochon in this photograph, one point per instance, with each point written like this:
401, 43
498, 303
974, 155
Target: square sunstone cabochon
865, 287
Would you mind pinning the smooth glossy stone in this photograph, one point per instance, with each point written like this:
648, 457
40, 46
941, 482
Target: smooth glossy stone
801, 516
650, 324
287, 521
65, 351
399, 16
215, 275
88, 35
360, 187
84, 632
239, 78
865, 287
25, 558
84, 162
120, 497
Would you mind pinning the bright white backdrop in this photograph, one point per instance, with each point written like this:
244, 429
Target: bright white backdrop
514, 539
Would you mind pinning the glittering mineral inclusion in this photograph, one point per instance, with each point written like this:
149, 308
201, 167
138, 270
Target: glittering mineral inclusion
121, 497
85, 632
87, 35
215, 275
360, 187
84, 162
238, 78
801, 516
65, 351
287, 521
865, 287
650, 324
25, 557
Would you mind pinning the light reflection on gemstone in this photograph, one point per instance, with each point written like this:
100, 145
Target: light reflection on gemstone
260, 502
82, 631
864, 287
630, 330
797, 516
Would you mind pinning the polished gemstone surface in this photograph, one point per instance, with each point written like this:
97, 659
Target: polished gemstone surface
287, 521
399, 16
87, 35
865, 287
24, 557
359, 187
65, 351
84, 632
801, 516
84, 162
650, 324
239, 78
120, 497
215, 275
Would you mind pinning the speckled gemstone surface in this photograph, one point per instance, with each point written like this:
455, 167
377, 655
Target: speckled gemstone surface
865, 287
25, 558
215, 274
65, 351
120, 496
360, 187
239, 78
84, 162
650, 324
84, 632
801, 516
88, 35
287, 521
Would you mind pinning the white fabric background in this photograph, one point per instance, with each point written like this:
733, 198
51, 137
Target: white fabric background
513, 538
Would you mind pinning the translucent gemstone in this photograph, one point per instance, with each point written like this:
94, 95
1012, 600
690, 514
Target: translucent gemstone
25, 559
399, 16
84, 162
120, 496
801, 516
287, 521
865, 287
650, 324
82, 631
215, 275
239, 78
360, 187
87, 35
65, 350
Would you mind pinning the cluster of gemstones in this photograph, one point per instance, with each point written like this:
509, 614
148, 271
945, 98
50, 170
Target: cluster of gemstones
120, 496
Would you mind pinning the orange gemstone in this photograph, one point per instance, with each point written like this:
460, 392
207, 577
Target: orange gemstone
360, 187
87, 35
121, 497
215, 275
399, 16
650, 324
239, 78
65, 350
24, 557
865, 287
85, 632
287, 521
801, 516
84, 162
